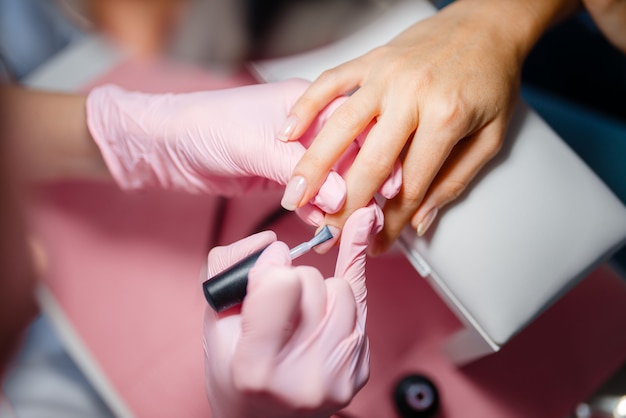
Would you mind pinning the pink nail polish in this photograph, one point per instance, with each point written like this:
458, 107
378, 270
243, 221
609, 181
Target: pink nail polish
293, 193
284, 134
423, 226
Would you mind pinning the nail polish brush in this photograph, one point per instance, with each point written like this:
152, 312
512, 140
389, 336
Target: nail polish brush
228, 288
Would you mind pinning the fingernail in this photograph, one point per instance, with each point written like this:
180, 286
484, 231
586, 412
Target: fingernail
284, 133
293, 193
423, 226
325, 246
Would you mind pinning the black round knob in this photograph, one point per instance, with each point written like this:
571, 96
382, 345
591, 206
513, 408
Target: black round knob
416, 396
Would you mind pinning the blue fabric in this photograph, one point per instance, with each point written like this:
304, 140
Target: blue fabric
31, 31
44, 382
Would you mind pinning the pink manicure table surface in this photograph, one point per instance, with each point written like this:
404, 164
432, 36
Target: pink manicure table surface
124, 269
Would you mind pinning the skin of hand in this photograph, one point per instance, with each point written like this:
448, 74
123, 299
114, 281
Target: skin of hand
22, 260
610, 17
58, 145
297, 346
439, 96
216, 142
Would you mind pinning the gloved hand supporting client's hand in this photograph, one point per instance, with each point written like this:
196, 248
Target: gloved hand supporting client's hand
216, 142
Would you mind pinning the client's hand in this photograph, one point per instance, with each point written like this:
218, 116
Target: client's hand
297, 346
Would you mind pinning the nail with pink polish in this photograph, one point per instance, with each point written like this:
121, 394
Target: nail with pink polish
284, 133
423, 226
293, 193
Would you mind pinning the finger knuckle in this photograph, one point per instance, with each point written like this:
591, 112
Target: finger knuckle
308, 102
453, 189
378, 166
347, 115
328, 76
448, 112
492, 146
313, 167
412, 193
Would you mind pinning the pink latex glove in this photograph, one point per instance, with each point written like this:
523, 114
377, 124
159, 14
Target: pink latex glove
217, 142
297, 346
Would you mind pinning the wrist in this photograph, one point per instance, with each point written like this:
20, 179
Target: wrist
49, 133
79, 155
516, 24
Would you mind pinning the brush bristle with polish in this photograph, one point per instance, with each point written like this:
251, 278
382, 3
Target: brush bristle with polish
322, 236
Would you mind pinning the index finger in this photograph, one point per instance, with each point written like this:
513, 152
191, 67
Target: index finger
341, 129
330, 84
269, 313
375, 160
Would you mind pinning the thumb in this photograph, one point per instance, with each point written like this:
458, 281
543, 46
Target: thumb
268, 315
222, 257
354, 240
